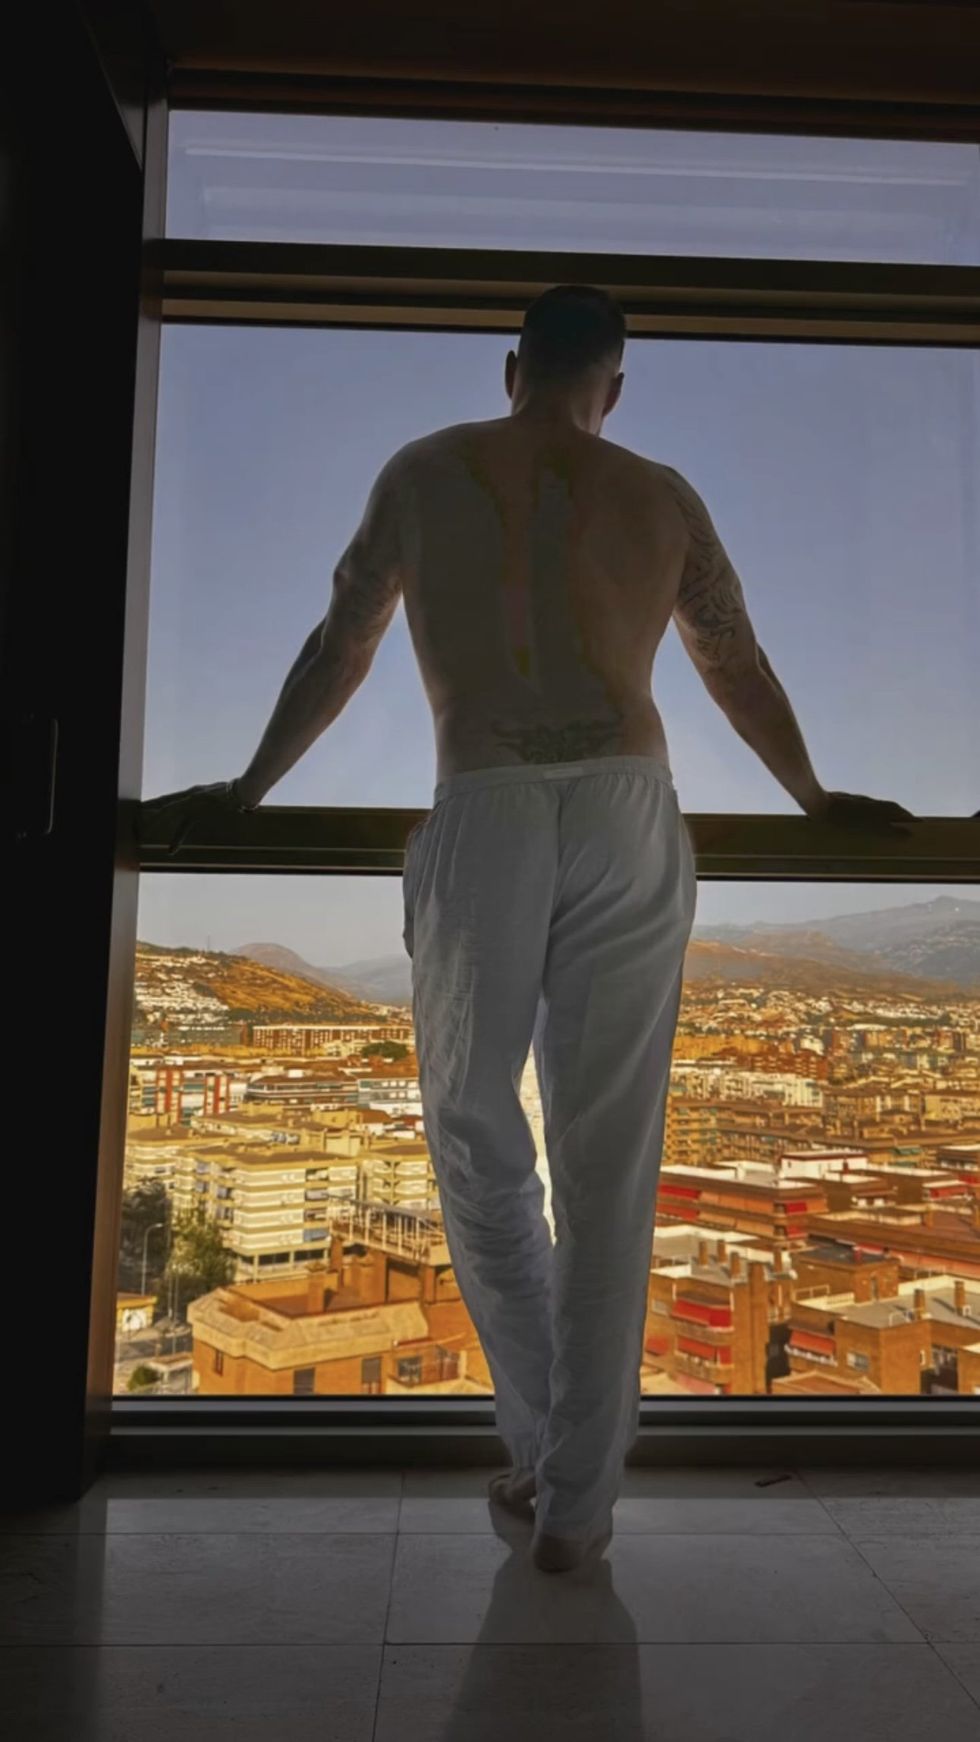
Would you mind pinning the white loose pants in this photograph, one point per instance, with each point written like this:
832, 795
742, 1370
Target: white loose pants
551, 905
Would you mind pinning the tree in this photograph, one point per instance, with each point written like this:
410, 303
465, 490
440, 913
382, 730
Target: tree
146, 1216
199, 1260
142, 1377
389, 1050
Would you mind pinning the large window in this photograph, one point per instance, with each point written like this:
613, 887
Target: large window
843, 480
819, 1203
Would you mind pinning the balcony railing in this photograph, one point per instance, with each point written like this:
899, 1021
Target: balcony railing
413, 1370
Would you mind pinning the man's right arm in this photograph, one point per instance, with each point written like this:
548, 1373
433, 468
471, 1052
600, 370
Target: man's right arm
715, 627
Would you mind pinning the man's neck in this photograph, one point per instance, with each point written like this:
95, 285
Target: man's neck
554, 412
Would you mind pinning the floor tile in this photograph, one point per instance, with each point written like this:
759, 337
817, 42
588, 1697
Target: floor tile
670, 1693
466, 1588
684, 1483
900, 1515
197, 1693
239, 1501
964, 1661
654, 1501
185, 1590
268, 1484
908, 1484
936, 1579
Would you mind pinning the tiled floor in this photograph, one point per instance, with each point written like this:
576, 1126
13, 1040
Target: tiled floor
346, 1607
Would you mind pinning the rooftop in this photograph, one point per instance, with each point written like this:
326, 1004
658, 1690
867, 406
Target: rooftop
719, 1270
814, 1382
735, 1173
684, 1238
239, 1327
838, 1252
940, 1305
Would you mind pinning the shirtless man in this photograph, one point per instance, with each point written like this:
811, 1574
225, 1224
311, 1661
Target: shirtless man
549, 893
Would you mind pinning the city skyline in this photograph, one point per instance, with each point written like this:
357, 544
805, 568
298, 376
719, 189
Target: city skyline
818, 1220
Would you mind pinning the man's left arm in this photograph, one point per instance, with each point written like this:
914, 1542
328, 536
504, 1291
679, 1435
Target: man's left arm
333, 662
337, 656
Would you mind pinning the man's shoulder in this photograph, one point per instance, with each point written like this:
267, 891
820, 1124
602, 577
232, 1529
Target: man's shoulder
641, 469
424, 451
446, 439
447, 442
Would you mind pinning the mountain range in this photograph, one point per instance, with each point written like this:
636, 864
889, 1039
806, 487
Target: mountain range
919, 948
924, 950
936, 940
380, 979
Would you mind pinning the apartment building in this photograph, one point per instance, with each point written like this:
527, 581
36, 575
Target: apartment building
311, 1127
157, 1156
324, 1085
359, 1325
680, 1242
338, 1040
925, 1238
169, 1094
968, 1367
395, 1090
962, 1159
906, 1344
705, 1132
717, 1322
399, 1174
772, 1208
833, 1267
692, 1132
272, 1202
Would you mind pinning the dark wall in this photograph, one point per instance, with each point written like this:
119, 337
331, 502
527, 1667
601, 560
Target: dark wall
71, 217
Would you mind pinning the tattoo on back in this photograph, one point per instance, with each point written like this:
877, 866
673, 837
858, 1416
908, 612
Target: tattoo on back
576, 739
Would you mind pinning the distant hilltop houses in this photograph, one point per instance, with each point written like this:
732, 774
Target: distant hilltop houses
201, 989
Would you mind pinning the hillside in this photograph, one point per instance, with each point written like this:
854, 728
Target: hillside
201, 988
845, 974
380, 979
829, 970
286, 961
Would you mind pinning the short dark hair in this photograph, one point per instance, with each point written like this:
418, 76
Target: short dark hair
569, 328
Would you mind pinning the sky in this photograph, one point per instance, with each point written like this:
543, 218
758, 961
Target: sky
842, 480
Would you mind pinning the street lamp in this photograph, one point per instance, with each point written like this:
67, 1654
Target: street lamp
146, 1237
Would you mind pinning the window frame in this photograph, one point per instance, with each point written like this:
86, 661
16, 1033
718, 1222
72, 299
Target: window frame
482, 291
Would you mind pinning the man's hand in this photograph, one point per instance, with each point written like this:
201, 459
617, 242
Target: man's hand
851, 810
175, 813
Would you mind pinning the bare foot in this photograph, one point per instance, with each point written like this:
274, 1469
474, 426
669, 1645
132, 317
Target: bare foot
561, 1554
514, 1490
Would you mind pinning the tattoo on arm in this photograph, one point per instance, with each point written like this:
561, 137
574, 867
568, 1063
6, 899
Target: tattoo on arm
337, 654
368, 578
367, 588
710, 603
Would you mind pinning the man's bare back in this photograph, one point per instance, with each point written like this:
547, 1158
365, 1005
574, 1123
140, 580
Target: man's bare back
541, 570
